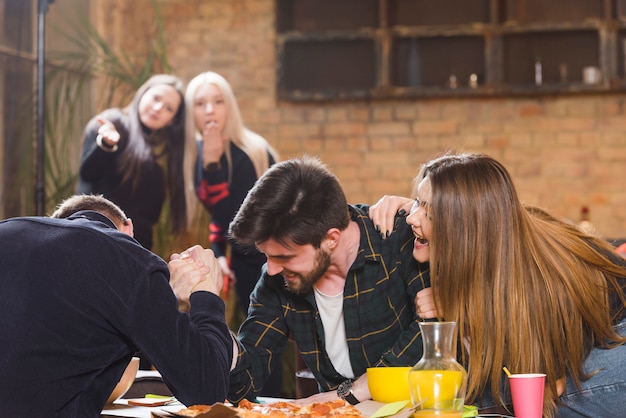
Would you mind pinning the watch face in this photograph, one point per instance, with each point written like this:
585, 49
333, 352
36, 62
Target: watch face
344, 388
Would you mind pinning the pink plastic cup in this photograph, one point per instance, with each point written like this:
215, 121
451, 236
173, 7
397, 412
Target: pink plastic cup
527, 394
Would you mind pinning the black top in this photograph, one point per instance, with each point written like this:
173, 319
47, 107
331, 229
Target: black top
79, 298
100, 174
222, 196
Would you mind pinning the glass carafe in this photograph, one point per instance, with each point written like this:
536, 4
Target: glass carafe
437, 382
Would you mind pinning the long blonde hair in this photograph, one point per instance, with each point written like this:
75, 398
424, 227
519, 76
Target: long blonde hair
528, 291
254, 145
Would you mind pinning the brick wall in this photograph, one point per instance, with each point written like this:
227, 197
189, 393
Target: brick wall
563, 152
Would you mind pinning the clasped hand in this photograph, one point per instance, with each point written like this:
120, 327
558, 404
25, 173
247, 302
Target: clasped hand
195, 269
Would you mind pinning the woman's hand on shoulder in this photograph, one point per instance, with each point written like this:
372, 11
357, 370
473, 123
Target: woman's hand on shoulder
383, 213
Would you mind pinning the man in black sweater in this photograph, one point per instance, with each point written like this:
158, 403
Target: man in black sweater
80, 296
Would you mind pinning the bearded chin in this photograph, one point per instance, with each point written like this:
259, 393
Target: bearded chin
306, 281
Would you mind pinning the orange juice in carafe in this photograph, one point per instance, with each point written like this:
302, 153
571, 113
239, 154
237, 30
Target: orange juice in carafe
437, 382
436, 413
437, 389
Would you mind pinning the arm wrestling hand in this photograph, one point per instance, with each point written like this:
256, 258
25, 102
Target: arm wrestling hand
185, 274
194, 270
214, 279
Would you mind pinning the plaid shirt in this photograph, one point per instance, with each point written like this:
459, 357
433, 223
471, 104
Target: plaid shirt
381, 323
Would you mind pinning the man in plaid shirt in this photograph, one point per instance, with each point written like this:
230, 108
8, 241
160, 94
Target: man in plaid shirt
331, 283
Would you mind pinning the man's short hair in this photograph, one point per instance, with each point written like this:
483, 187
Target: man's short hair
296, 200
97, 203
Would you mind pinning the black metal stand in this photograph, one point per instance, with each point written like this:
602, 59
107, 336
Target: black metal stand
40, 191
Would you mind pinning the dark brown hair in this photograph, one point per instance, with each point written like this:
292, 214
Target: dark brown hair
297, 200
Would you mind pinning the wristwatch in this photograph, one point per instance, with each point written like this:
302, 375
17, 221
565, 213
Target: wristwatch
344, 391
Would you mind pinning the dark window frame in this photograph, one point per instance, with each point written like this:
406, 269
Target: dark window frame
487, 27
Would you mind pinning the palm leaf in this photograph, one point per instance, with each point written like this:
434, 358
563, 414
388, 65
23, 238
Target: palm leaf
89, 57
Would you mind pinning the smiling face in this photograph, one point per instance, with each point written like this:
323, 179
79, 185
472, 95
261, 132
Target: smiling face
301, 266
209, 108
158, 106
420, 221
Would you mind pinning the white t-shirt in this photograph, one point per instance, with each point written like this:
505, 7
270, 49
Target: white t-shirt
331, 314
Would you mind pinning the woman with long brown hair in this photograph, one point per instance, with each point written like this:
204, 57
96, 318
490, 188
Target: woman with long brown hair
528, 291
134, 157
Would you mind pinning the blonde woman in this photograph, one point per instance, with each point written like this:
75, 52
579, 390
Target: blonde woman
230, 158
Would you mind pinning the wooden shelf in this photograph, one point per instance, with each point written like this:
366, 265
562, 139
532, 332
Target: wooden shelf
335, 50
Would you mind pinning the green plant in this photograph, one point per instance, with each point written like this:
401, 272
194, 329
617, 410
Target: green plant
65, 107
119, 72
89, 58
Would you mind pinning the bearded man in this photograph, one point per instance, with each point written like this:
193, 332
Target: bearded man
331, 283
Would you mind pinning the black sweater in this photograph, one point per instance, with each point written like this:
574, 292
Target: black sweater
78, 299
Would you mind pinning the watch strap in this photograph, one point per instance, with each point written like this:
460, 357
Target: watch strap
344, 391
350, 398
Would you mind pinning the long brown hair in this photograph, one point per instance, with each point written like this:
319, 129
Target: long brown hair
169, 140
528, 291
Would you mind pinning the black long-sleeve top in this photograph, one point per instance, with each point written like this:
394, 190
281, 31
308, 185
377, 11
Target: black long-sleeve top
222, 198
78, 299
99, 174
